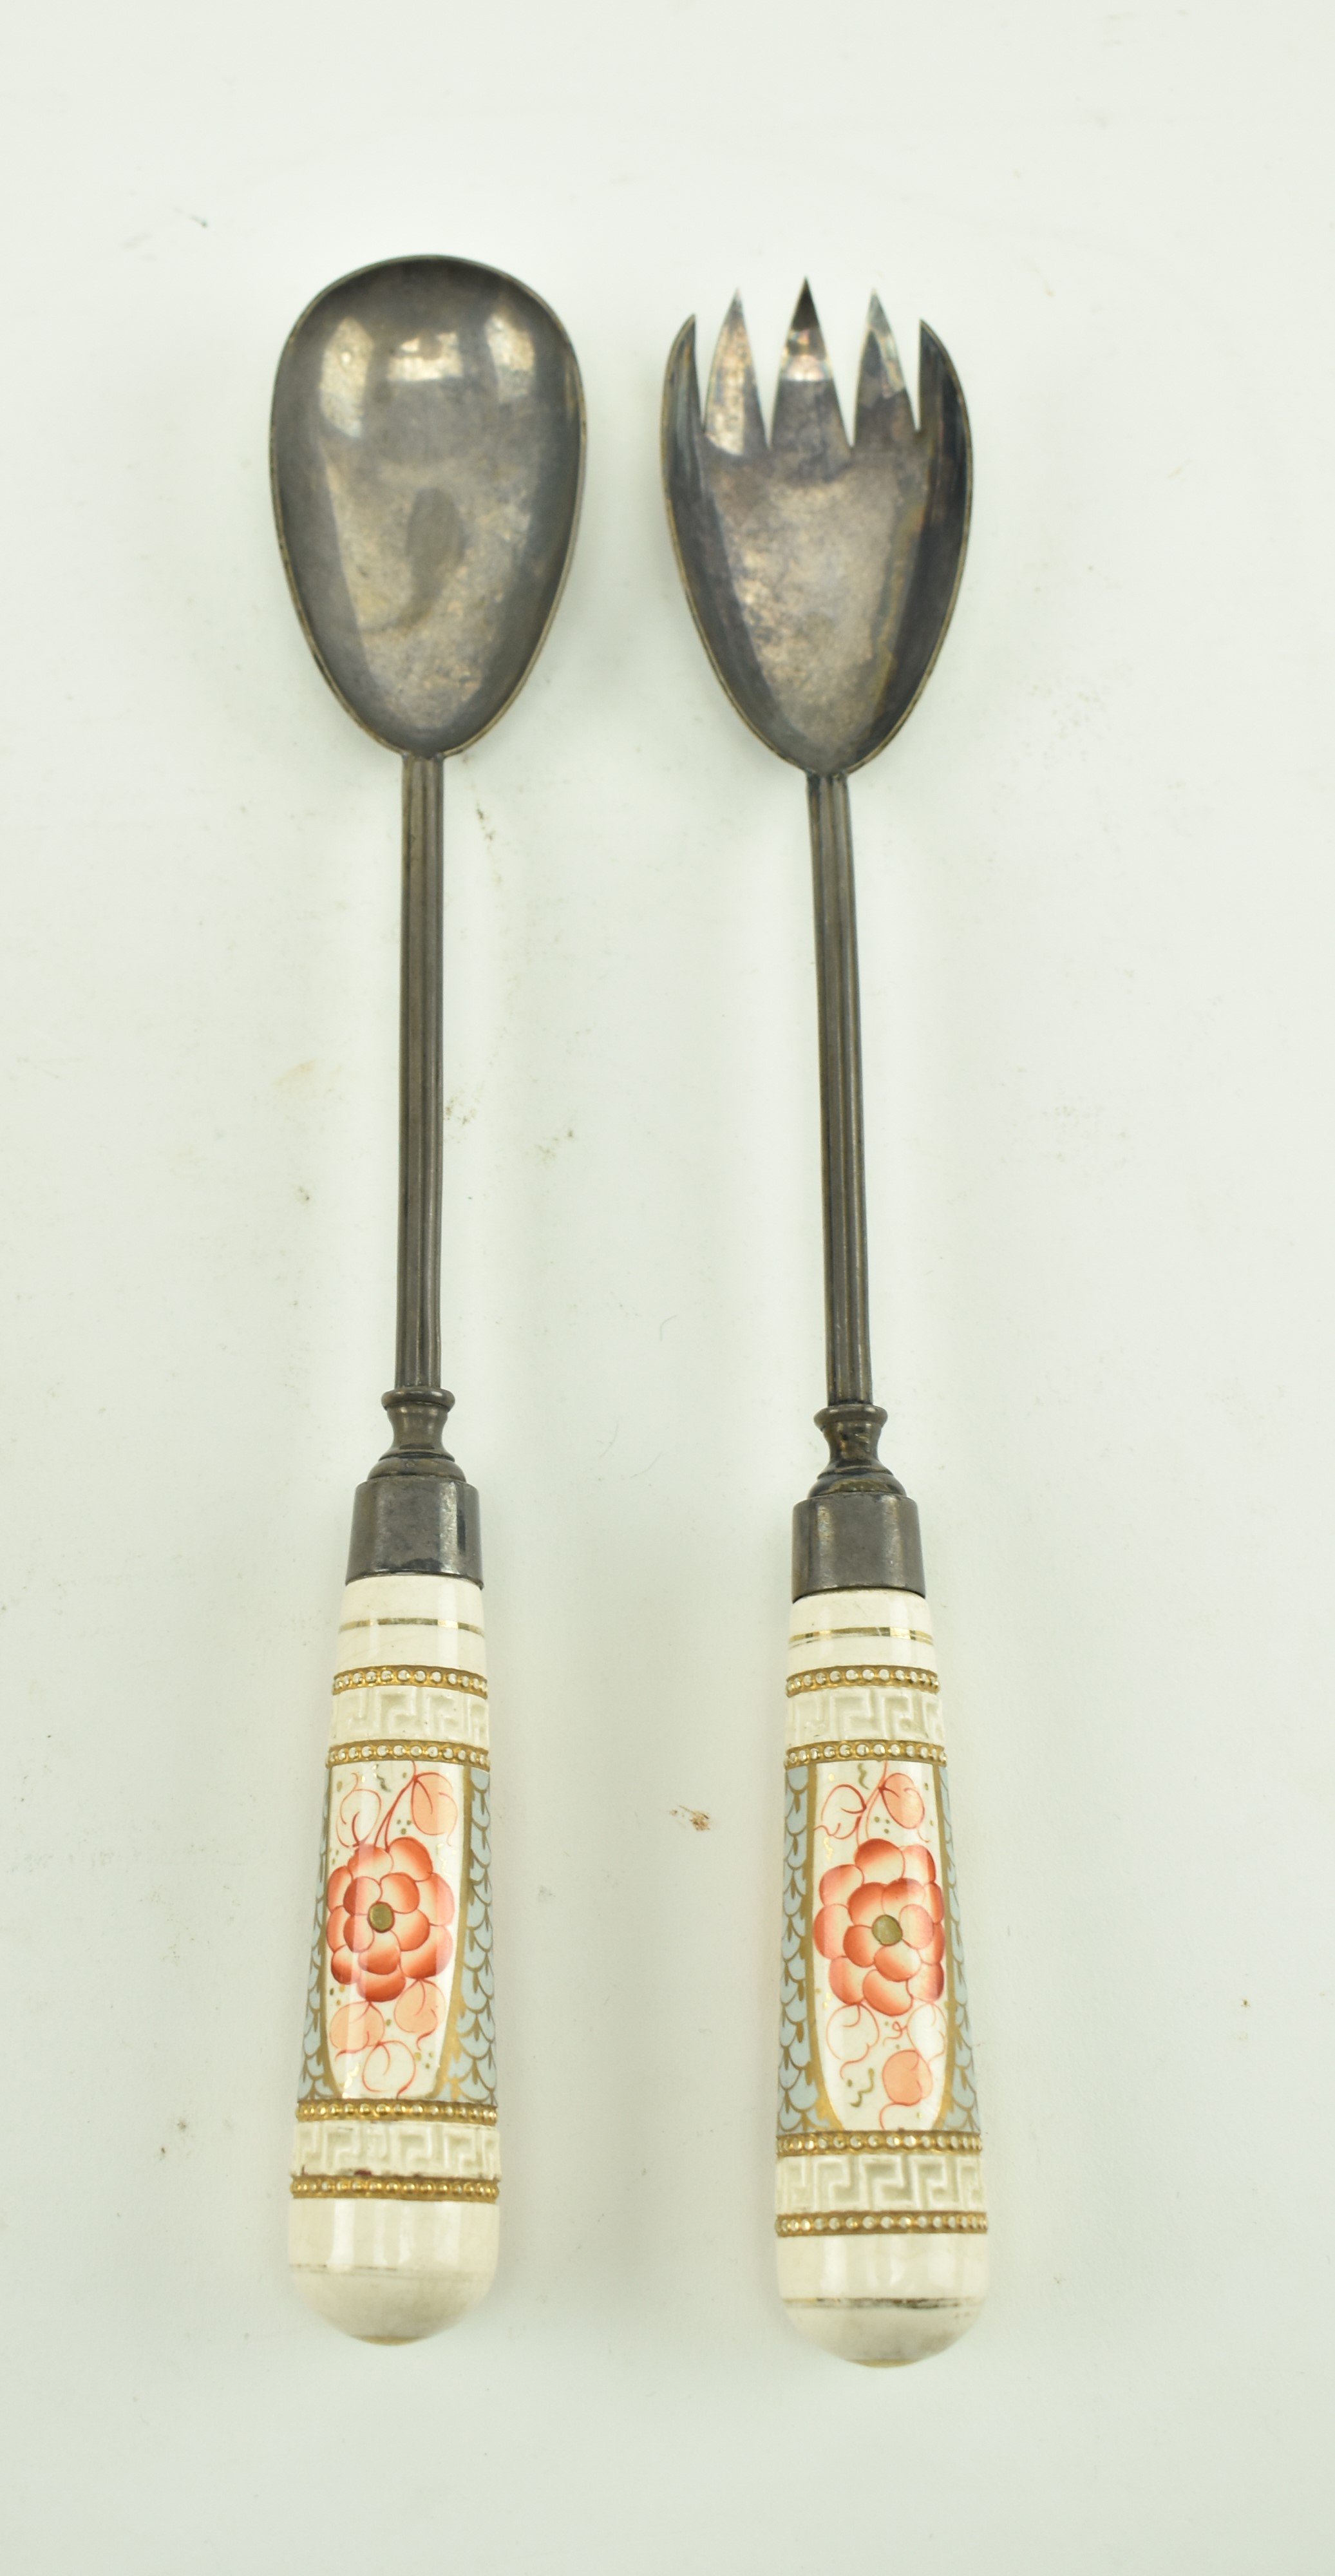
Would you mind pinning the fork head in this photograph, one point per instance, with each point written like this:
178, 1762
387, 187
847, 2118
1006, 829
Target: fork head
821, 573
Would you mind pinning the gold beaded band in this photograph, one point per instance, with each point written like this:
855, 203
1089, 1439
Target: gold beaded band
879, 2222
359, 2186
880, 2142
866, 1748
383, 1748
432, 1676
475, 2114
849, 1676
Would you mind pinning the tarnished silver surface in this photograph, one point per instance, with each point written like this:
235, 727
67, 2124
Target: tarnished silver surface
427, 454
822, 574
428, 445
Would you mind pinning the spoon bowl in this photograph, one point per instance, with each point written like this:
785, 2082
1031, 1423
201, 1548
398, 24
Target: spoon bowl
427, 455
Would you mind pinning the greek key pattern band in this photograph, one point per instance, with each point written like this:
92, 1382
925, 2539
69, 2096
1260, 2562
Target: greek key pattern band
357, 2186
873, 1748
884, 2222
855, 1676
476, 2114
384, 1748
881, 2142
428, 1676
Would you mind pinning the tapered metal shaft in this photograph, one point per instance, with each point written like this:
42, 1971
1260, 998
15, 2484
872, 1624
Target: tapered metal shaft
843, 1176
857, 1527
416, 1512
421, 1098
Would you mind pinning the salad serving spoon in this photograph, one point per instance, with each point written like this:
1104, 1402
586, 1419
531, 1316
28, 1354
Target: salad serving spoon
427, 457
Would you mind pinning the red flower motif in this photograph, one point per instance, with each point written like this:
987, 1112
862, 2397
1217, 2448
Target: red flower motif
907, 2077
388, 1918
881, 1926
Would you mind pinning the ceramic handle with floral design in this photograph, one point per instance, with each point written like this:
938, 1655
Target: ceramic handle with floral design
395, 2173
882, 2243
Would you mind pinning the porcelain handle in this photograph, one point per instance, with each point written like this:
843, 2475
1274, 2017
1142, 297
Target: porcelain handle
881, 2224
396, 2171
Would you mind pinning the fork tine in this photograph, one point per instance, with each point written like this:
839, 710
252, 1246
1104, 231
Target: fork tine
807, 419
732, 407
884, 414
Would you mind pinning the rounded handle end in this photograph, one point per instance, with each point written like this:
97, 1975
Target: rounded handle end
391, 2271
894, 2300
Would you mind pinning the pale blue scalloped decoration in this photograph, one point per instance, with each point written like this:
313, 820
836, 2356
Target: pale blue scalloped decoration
797, 2092
471, 2075
314, 2085
961, 2111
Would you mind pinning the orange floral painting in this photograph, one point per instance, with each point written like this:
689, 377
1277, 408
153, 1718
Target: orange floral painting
391, 1907
879, 1940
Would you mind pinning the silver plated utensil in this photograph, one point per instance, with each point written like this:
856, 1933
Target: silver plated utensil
427, 455
822, 572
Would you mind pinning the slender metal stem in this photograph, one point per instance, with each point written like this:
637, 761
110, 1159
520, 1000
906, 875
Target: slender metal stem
847, 1331
421, 1101
416, 1513
851, 1420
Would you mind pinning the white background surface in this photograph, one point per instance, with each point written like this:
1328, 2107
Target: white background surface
1097, 919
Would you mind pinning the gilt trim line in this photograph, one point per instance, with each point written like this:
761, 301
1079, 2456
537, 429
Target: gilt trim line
393, 1748
480, 2114
357, 2186
866, 1748
817, 1636
390, 1676
856, 1676
880, 2222
874, 2142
